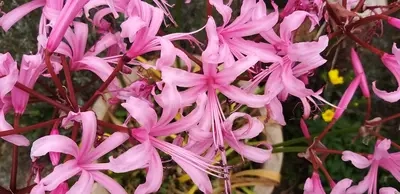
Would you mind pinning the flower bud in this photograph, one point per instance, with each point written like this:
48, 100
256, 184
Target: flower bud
359, 70
346, 98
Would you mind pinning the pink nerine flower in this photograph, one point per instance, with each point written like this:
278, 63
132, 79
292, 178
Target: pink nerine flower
85, 156
8, 78
67, 15
380, 158
145, 154
226, 42
392, 62
313, 185
32, 67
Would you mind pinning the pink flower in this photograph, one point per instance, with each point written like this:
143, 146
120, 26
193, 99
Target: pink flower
226, 42
141, 27
87, 60
85, 156
313, 185
9, 19
392, 62
67, 15
145, 154
32, 67
381, 157
311, 6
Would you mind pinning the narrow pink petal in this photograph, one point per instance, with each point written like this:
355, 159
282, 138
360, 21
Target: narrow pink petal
54, 143
368, 183
381, 149
108, 183
184, 123
308, 186
308, 53
252, 153
390, 62
190, 95
67, 15
60, 174
100, 67
313, 185
200, 178
275, 111
357, 160
135, 158
131, 26
12, 17
89, 128
54, 156
112, 142
38, 189
141, 111
223, 9
182, 78
388, 190
341, 186
99, 21
346, 97
238, 95
154, 174
250, 130
83, 185
293, 21
293, 85
170, 101
8, 74
212, 52
18, 140
81, 35
168, 53
228, 75
156, 21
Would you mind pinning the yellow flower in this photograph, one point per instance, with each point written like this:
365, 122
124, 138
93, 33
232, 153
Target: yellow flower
334, 77
328, 114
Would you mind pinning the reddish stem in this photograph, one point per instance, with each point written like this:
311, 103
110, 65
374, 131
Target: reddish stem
359, 5
395, 116
326, 130
379, 136
329, 151
105, 84
327, 175
28, 128
369, 109
113, 126
54, 76
70, 86
209, 8
74, 135
365, 45
42, 97
14, 166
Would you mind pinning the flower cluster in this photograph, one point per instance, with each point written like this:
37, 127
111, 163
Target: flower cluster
252, 61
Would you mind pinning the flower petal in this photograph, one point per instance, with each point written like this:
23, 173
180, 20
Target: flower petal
83, 185
89, 129
293, 22
112, 142
222, 9
131, 26
8, 74
357, 160
238, 95
108, 183
252, 153
228, 75
154, 174
182, 78
341, 186
141, 111
388, 190
12, 17
135, 158
390, 62
54, 143
60, 174
170, 101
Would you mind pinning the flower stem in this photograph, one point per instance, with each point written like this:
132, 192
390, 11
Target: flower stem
289, 149
326, 130
113, 126
54, 76
105, 84
208, 8
395, 116
365, 45
42, 97
14, 165
70, 86
5, 191
26, 189
28, 128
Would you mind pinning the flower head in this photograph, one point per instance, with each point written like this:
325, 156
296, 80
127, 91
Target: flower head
334, 77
